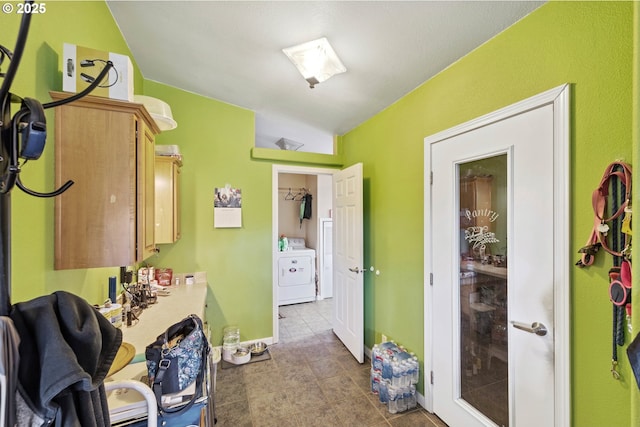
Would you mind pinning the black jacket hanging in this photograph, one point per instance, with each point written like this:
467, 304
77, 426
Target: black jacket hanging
307, 206
66, 349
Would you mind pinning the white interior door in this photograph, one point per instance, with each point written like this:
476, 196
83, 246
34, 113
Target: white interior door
348, 271
496, 221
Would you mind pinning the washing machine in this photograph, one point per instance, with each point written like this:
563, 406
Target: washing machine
296, 273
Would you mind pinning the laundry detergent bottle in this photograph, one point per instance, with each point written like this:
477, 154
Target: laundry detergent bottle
283, 243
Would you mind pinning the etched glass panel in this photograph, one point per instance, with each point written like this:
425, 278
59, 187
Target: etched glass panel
483, 286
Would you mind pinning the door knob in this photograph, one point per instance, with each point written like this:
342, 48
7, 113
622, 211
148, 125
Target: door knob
535, 328
356, 270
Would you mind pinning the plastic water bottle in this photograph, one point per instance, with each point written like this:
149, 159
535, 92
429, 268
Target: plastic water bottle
383, 391
376, 358
396, 369
412, 402
404, 378
387, 369
375, 381
404, 356
393, 400
416, 371
389, 348
404, 403
413, 369
399, 399
410, 370
374, 351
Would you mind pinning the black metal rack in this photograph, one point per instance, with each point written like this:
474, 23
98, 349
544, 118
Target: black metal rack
9, 152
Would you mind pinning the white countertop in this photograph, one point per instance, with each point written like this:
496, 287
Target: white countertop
491, 270
154, 320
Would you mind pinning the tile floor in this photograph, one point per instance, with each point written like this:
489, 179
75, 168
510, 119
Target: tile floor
311, 380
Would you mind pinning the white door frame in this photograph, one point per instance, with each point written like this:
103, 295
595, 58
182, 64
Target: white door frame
559, 98
322, 259
275, 171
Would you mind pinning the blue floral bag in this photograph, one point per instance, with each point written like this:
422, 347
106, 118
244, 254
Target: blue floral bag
177, 358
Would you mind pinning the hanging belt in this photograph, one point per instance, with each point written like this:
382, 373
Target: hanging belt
597, 238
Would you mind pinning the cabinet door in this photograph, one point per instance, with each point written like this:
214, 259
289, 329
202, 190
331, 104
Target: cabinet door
177, 230
164, 198
146, 192
95, 218
107, 148
475, 201
167, 181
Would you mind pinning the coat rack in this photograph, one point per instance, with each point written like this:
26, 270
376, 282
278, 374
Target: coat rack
22, 136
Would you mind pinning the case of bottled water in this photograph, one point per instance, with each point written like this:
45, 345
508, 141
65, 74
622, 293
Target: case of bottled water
394, 375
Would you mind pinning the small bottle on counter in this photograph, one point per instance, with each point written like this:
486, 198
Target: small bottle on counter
112, 289
128, 314
126, 310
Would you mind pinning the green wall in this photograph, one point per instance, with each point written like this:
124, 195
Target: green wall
85, 24
587, 44
215, 140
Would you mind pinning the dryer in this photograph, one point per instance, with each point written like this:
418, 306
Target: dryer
296, 273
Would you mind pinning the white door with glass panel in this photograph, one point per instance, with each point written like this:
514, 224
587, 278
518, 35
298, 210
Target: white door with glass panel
496, 243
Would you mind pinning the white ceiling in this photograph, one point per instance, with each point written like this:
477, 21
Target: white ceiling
232, 51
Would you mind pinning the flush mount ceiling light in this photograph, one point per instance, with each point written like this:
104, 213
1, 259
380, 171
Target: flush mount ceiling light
316, 60
287, 144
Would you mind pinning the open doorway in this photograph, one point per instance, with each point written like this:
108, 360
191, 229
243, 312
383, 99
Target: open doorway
302, 275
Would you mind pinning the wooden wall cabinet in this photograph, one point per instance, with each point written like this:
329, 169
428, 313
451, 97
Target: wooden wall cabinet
167, 191
107, 218
475, 196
